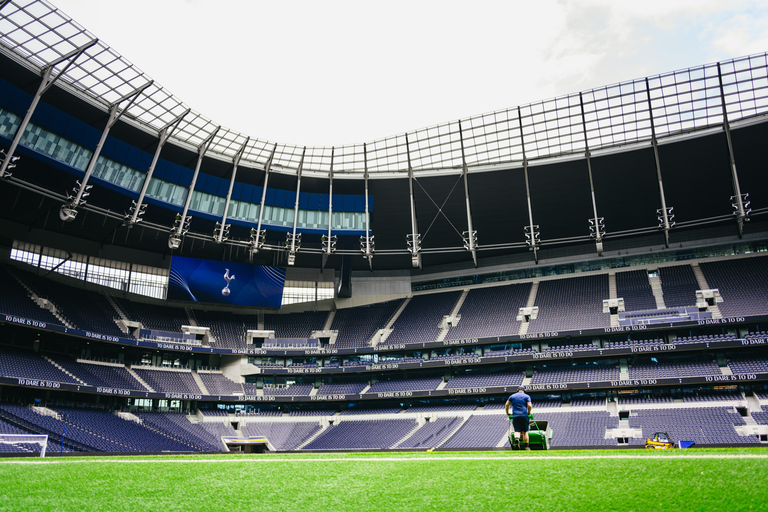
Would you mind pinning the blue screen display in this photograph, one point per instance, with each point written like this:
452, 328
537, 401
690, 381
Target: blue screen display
193, 279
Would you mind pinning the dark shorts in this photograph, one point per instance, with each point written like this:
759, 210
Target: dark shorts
520, 423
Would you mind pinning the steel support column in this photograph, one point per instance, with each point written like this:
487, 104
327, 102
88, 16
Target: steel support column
470, 236
222, 232
329, 240
68, 210
181, 225
293, 240
739, 201
531, 230
258, 235
664, 213
597, 226
414, 239
45, 84
366, 242
137, 209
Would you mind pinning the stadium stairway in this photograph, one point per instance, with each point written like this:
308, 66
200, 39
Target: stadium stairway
141, 381
612, 293
313, 437
452, 318
329, 320
123, 318
703, 285
658, 294
419, 424
529, 304
455, 430
41, 302
64, 370
200, 383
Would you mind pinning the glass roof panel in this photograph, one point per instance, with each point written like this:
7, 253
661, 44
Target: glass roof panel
35, 33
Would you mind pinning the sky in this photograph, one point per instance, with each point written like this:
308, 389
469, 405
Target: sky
338, 72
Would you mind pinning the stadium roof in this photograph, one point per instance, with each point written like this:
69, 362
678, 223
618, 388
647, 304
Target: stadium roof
37, 34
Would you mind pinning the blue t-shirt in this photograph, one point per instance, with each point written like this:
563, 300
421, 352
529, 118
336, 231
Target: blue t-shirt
519, 402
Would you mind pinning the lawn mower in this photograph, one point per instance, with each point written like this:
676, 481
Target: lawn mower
539, 435
659, 441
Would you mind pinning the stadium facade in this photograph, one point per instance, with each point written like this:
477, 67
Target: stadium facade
604, 248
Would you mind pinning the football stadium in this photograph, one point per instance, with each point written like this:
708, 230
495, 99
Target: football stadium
194, 318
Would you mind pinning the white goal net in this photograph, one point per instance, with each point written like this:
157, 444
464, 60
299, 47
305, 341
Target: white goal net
17, 439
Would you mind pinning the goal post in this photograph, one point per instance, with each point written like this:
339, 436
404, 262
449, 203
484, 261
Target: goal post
15, 439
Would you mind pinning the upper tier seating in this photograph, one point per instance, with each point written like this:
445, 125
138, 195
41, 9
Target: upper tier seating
420, 320
743, 285
633, 286
679, 285
229, 330
490, 312
154, 316
356, 326
84, 309
15, 300
295, 325
571, 304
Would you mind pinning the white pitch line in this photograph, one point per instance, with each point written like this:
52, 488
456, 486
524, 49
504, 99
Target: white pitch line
269, 458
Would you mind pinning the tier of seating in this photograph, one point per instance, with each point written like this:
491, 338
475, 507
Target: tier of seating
421, 319
16, 301
635, 288
679, 285
568, 303
671, 370
295, 325
702, 425
571, 304
90, 430
26, 364
356, 326
580, 428
577, 374
362, 435
486, 380
743, 285
490, 312
82, 309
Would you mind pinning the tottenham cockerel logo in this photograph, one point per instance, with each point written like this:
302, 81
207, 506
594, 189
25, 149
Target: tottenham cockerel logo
227, 278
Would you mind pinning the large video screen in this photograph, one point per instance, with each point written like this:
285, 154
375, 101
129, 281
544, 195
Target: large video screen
223, 282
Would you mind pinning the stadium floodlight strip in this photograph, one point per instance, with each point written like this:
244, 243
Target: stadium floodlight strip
35, 33
14, 439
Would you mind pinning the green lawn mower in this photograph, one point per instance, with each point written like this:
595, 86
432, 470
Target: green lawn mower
539, 435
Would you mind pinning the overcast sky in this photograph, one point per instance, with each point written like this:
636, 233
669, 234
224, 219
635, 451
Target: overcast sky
338, 72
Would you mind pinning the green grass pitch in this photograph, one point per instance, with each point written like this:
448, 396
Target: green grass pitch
604, 480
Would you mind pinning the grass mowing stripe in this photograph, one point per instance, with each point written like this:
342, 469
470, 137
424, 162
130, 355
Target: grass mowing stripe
267, 458
450, 483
